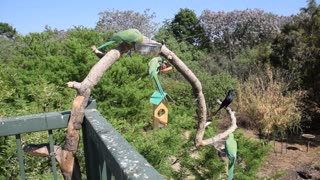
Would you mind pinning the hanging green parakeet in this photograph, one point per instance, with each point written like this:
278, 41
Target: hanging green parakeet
154, 69
231, 151
128, 36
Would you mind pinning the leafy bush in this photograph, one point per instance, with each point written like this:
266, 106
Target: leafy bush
250, 156
268, 108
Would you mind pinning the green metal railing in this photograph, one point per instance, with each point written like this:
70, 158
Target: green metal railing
34, 123
107, 154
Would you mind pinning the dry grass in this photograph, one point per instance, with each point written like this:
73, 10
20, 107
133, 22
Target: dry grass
269, 111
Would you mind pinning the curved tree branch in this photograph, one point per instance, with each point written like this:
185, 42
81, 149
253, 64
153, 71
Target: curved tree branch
196, 88
81, 100
199, 97
218, 138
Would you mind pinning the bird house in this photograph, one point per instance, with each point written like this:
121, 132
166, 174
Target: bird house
160, 115
160, 109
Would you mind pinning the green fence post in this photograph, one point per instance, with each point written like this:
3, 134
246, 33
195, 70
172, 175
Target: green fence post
20, 157
52, 154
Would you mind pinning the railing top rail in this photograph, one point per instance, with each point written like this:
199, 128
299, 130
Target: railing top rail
133, 164
33, 123
37, 122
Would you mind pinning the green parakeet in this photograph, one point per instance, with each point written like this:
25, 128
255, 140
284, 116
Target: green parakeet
231, 151
154, 69
128, 36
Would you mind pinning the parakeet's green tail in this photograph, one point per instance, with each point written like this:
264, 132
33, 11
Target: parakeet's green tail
231, 151
230, 170
106, 44
159, 87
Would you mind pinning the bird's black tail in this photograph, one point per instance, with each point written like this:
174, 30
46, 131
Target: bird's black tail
217, 111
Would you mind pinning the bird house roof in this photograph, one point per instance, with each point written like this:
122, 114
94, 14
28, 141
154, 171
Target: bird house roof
157, 97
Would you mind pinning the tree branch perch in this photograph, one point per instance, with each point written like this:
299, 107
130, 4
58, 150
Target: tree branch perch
214, 140
200, 99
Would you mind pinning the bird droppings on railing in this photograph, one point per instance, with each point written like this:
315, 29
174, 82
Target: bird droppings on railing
135, 175
123, 164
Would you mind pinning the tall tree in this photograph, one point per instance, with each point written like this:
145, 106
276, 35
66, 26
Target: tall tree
311, 8
7, 30
240, 29
186, 27
297, 50
116, 20
297, 47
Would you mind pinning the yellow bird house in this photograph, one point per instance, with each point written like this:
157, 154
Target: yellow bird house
160, 115
160, 109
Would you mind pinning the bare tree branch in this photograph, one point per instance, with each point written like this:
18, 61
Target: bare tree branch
199, 97
83, 92
65, 158
218, 138
196, 88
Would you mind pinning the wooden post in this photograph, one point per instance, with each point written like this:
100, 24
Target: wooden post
308, 137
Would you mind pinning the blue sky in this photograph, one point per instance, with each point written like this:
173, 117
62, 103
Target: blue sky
33, 15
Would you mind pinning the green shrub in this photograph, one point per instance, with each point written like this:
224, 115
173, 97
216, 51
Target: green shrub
250, 156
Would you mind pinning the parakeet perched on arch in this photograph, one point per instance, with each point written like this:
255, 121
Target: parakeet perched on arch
128, 36
154, 66
231, 151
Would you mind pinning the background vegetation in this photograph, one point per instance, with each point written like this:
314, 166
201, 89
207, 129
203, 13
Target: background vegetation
270, 60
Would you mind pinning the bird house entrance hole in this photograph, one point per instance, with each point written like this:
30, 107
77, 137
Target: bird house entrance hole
161, 112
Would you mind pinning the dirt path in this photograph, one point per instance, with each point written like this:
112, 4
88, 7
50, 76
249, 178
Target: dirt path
289, 159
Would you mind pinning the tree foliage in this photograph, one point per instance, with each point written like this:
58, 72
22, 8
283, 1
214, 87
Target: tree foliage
297, 50
240, 29
7, 30
116, 20
185, 26
297, 47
